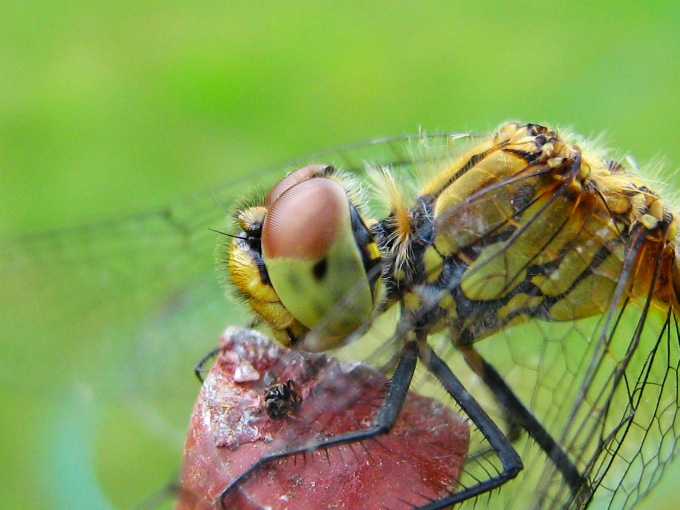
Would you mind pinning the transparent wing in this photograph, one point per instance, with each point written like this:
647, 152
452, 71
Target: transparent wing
102, 324
613, 408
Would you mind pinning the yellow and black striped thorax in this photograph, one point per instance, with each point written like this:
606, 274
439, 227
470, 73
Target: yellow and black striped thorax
524, 225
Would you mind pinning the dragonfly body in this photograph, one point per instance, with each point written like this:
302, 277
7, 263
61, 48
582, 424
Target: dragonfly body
523, 227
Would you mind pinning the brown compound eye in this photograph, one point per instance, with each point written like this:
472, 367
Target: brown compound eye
304, 222
312, 256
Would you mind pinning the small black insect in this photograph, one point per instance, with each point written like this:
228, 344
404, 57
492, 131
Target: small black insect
280, 399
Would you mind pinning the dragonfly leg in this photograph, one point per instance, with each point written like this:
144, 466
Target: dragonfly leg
199, 368
509, 458
520, 415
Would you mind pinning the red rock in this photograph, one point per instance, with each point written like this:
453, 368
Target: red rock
417, 461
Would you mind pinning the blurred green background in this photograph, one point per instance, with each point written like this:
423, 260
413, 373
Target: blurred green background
107, 109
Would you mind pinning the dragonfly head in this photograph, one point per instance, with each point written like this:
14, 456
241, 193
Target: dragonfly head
307, 255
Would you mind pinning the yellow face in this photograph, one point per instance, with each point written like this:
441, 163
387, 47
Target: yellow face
533, 249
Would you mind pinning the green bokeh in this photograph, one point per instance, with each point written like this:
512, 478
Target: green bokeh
108, 109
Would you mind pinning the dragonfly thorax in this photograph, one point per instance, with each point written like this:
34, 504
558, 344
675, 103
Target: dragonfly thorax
526, 227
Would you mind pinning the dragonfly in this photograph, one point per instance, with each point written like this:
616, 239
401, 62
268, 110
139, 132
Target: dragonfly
526, 269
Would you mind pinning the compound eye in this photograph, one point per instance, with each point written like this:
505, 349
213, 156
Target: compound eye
305, 220
312, 258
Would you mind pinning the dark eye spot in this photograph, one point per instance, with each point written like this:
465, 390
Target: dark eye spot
320, 269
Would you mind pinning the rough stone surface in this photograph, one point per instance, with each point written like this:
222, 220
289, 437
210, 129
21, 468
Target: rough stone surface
418, 461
